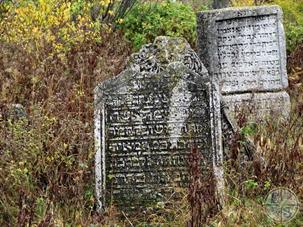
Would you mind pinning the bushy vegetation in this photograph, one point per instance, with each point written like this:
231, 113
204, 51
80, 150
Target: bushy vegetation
50, 64
47, 24
149, 20
293, 17
52, 54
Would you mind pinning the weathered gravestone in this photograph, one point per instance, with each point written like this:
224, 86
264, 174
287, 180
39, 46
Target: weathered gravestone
244, 49
147, 120
219, 4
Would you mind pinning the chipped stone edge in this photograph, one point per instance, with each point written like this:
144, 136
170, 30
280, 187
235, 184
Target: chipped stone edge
99, 131
216, 136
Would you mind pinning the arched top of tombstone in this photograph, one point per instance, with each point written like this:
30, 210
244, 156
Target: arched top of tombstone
148, 118
162, 56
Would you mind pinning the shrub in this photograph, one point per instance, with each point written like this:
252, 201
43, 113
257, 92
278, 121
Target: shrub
33, 24
51, 56
295, 60
43, 163
293, 21
149, 20
46, 161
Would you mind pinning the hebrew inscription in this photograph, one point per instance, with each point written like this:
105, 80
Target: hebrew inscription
148, 119
248, 53
245, 48
147, 139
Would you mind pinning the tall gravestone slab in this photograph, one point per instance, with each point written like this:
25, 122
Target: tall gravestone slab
147, 120
244, 49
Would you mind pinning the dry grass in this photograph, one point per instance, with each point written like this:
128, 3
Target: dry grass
47, 159
46, 164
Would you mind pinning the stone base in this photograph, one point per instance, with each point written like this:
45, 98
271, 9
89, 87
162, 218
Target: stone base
258, 106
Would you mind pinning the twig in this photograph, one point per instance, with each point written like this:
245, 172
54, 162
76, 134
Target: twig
127, 219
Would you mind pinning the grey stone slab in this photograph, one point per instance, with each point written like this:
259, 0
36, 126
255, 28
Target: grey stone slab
219, 4
259, 106
147, 120
244, 48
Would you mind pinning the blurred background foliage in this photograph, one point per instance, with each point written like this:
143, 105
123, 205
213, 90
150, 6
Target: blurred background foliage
52, 55
62, 24
149, 20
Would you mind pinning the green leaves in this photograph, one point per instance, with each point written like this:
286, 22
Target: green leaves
251, 184
249, 129
293, 21
147, 21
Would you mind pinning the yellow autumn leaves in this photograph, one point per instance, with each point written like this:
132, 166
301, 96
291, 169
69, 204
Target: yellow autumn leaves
49, 23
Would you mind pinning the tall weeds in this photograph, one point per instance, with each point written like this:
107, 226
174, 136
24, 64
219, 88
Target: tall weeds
47, 157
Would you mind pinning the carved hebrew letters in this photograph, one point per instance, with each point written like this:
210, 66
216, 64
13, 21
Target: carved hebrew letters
148, 119
150, 134
248, 53
244, 48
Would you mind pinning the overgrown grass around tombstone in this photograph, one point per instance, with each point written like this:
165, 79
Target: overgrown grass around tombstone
46, 159
276, 163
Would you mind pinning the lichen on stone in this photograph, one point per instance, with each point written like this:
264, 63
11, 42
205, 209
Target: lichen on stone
156, 56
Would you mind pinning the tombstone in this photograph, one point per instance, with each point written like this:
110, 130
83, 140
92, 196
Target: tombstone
148, 119
218, 4
244, 49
